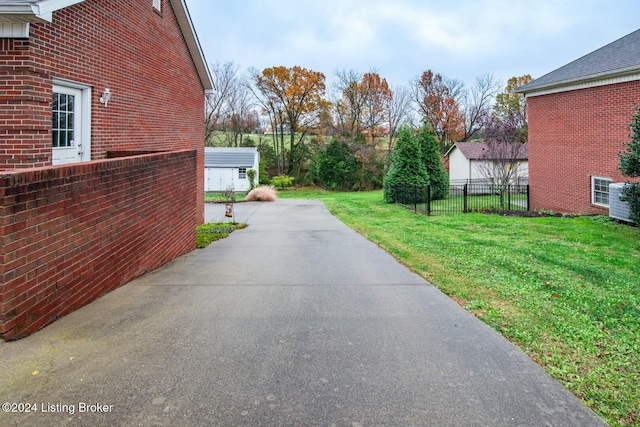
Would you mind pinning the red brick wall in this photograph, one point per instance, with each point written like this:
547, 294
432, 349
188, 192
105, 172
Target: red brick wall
573, 136
25, 107
124, 45
69, 234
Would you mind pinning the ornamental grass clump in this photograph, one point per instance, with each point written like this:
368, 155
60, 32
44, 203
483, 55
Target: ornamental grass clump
261, 194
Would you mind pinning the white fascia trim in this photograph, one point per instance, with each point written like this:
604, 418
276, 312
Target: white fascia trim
195, 49
41, 11
47, 7
593, 81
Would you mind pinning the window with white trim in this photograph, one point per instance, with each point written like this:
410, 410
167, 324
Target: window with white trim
600, 190
157, 5
242, 173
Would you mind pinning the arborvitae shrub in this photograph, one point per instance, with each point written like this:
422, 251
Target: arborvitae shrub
406, 169
438, 178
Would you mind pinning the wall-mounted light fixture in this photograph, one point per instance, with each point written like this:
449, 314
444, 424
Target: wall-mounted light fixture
106, 96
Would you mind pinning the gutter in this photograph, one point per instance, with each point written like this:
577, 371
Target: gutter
592, 80
23, 13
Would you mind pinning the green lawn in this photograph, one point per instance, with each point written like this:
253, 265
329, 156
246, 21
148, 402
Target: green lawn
212, 231
455, 204
565, 290
223, 197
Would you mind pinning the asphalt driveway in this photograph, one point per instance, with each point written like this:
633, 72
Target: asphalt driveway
294, 321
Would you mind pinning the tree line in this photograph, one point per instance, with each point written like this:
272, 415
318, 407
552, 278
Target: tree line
343, 137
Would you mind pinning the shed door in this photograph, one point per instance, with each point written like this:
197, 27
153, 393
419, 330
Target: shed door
66, 126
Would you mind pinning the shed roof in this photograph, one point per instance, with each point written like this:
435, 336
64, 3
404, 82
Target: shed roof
618, 60
241, 157
481, 151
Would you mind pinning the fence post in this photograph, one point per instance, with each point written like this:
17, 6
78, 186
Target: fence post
428, 199
528, 201
509, 197
464, 195
415, 199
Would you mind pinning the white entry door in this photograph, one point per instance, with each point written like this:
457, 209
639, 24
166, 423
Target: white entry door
67, 124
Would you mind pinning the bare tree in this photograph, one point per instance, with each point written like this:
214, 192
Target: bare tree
478, 104
502, 162
239, 104
398, 112
348, 104
224, 79
503, 154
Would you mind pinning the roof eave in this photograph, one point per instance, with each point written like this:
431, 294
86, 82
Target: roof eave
190, 36
594, 79
453, 147
41, 11
23, 13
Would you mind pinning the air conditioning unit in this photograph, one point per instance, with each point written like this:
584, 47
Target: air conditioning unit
617, 208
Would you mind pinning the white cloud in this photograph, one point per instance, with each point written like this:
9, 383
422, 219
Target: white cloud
401, 38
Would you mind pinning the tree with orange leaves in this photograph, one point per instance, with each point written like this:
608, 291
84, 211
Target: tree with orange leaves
293, 98
439, 106
362, 108
377, 98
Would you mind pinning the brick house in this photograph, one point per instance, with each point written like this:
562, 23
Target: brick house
101, 149
579, 118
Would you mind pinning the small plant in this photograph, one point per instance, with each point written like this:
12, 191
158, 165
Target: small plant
251, 174
282, 181
228, 195
207, 233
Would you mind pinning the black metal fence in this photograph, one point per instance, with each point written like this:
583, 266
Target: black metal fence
465, 198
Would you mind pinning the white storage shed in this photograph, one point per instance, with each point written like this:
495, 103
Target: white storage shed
469, 161
225, 169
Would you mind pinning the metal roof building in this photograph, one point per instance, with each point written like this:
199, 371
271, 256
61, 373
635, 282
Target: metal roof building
226, 168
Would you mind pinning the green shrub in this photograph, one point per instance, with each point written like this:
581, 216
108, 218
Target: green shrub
630, 166
251, 174
438, 178
406, 169
336, 167
282, 181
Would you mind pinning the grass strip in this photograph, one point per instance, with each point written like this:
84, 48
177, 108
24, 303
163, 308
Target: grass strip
210, 232
565, 290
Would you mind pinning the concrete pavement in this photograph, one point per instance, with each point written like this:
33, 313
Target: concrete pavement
294, 321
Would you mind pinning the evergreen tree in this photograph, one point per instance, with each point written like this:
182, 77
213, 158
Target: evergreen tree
406, 169
430, 155
630, 166
336, 167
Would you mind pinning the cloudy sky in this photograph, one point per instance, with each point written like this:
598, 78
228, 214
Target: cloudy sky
400, 39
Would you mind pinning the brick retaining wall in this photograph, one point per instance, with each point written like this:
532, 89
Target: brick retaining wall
70, 234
